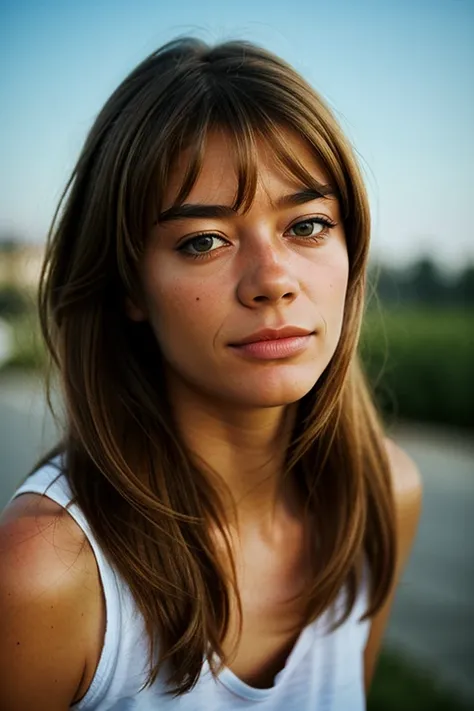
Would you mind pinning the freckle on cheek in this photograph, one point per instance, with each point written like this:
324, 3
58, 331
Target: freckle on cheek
197, 298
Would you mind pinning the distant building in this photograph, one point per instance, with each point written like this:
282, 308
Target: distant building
20, 265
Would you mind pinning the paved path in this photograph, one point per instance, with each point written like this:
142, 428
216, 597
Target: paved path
433, 617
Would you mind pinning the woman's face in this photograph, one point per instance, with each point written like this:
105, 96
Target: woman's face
213, 279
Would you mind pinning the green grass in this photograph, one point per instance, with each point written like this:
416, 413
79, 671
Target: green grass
421, 363
398, 686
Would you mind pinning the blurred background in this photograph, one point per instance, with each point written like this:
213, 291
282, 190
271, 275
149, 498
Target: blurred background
399, 78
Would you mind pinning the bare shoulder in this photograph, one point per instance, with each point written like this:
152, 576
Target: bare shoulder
41, 544
406, 478
407, 489
49, 604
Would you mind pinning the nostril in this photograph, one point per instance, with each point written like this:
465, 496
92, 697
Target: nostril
261, 298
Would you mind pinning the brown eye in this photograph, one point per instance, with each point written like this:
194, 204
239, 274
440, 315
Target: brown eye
314, 228
305, 229
202, 243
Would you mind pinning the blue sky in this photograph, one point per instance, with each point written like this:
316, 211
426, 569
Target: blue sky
397, 73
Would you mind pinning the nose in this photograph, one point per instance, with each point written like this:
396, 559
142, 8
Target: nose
267, 278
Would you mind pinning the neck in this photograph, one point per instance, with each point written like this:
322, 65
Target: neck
246, 449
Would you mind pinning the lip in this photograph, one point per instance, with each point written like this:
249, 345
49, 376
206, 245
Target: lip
272, 334
274, 344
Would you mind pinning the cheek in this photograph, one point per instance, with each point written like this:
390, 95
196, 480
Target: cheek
181, 310
337, 288
329, 283
328, 294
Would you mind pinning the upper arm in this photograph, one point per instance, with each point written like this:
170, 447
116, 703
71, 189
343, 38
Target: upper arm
46, 602
407, 493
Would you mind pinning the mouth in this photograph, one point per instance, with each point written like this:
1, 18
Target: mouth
271, 344
270, 334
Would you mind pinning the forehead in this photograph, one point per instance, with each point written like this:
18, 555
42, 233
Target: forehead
218, 178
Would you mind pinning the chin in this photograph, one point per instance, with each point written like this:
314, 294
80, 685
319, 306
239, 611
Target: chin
273, 390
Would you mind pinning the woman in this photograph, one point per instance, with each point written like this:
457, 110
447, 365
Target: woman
223, 524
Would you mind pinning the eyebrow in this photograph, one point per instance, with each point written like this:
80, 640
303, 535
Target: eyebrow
187, 210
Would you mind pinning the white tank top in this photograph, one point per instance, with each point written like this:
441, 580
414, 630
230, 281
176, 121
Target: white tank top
324, 671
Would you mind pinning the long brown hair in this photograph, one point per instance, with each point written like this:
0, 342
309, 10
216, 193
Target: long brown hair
149, 503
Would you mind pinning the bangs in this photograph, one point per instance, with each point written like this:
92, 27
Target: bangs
246, 130
251, 110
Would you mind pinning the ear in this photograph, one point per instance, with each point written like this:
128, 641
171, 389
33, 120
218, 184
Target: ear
134, 312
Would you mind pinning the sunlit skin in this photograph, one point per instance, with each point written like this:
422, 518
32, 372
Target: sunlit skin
267, 268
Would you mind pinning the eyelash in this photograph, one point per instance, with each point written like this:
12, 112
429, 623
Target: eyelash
325, 221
